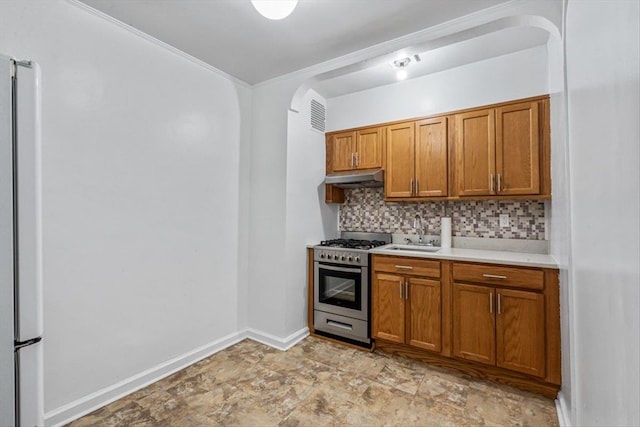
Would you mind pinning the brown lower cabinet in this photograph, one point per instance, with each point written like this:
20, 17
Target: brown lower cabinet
492, 321
501, 327
474, 323
408, 311
406, 301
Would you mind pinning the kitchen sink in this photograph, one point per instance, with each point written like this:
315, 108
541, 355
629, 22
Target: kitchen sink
414, 248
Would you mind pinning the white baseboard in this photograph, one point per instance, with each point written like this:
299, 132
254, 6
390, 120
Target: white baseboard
100, 398
564, 415
283, 344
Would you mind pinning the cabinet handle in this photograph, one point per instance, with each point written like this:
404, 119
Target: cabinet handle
411, 187
490, 302
404, 267
353, 163
406, 289
499, 183
494, 276
491, 183
499, 308
357, 159
417, 192
400, 288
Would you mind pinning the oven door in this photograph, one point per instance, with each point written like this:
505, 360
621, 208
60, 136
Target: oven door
341, 290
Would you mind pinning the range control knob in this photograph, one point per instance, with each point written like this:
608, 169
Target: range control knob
350, 259
329, 256
357, 259
342, 258
322, 255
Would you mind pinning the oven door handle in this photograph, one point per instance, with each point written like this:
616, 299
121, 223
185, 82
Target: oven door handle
343, 269
340, 325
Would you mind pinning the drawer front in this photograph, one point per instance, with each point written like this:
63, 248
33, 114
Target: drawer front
499, 275
341, 325
407, 266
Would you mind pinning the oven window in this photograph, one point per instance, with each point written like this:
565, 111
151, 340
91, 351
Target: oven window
340, 288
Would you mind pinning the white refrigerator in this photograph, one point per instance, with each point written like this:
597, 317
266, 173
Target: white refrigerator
21, 324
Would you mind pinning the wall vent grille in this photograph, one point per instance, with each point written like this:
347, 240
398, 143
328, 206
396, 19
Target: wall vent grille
318, 115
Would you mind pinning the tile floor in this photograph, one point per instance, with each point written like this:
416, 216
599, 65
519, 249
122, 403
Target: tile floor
317, 383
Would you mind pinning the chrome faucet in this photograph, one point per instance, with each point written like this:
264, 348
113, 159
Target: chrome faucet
417, 225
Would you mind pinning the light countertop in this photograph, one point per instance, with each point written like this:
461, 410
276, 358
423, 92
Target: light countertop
475, 255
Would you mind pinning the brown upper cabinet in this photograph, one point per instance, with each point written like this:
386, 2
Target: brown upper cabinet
497, 151
341, 147
400, 171
361, 149
417, 159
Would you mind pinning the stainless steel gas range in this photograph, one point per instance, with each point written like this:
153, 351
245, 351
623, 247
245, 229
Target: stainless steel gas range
341, 303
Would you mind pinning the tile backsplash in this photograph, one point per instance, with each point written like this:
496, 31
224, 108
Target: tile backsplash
364, 209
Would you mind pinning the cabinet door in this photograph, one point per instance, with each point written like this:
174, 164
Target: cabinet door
388, 313
369, 148
431, 157
520, 331
425, 319
400, 161
475, 153
518, 149
474, 323
343, 151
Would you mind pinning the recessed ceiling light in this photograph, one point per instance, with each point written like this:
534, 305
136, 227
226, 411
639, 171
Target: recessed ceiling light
275, 9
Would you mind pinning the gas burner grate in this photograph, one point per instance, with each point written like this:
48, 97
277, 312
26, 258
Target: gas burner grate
352, 243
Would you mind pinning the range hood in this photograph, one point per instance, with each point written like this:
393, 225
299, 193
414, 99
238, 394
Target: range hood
356, 179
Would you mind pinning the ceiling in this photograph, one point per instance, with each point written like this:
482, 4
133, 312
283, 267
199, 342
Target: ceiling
231, 36
479, 48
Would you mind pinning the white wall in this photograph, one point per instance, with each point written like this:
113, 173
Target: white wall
517, 75
287, 209
244, 238
309, 219
140, 170
267, 209
559, 213
602, 51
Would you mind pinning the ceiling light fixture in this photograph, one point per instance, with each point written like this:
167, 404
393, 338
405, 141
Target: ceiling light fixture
275, 9
401, 65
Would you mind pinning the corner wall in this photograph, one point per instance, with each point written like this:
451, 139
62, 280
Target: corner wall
140, 196
267, 208
287, 209
603, 74
560, 220
308, 218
